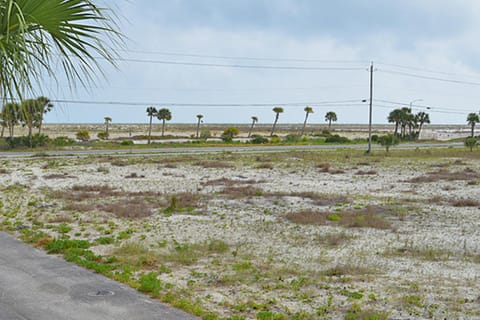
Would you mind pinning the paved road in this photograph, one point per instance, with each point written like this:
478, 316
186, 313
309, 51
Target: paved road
35, 286
202, 150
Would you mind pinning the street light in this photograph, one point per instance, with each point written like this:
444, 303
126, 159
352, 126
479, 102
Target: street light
416, 100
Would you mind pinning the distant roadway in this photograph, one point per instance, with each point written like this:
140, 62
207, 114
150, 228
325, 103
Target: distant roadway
203, 150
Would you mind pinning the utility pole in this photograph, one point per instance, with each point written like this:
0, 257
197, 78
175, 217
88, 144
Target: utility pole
370, 111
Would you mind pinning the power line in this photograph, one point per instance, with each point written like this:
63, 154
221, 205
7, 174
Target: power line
177, 54
175, 104
429, 77
199, 64
429, 70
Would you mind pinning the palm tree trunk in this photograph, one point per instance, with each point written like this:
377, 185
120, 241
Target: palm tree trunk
304, 124
163, 127
30, 129
329, 124
150, 130
473, 129
106, 132
198, 128
251, 129
274, 124
396, 129
40, 126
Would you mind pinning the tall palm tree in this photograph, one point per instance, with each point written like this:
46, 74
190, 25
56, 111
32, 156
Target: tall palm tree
472, 120
395, 116
151, 112
421, 118
107, 121
254, 120
47, 107
11, 116
307, 110
164, 115
199, 117
330, 116
30, 113
277, 111
36, 36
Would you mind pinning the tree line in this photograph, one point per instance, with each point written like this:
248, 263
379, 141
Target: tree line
28, 113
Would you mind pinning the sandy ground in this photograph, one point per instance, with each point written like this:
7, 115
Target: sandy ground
425, 264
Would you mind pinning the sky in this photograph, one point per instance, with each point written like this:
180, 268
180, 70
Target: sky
231, 60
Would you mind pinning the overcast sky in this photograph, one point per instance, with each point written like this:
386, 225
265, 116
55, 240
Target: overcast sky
425, 51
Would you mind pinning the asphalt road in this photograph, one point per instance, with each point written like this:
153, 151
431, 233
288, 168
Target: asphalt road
203, 150
35, 286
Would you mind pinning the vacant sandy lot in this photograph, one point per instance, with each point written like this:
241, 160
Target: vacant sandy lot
294, 235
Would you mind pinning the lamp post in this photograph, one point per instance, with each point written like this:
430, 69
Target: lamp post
416, 100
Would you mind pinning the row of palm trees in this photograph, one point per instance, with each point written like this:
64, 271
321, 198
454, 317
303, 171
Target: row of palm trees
29, 113
404, 118
165, 114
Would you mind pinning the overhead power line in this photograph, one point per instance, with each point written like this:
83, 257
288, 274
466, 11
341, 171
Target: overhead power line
413, 75
178, 54
244, 66
176, 104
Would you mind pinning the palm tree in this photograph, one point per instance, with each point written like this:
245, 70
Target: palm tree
36, 36
47, 107
330, 116
421, 118
11, 116
30, 113
472, 120
199, 117
307, 110
395, 116
277, 111
107, 121
164, 115
254, 120
151, 112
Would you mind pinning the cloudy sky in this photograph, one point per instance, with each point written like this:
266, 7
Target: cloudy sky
230, 60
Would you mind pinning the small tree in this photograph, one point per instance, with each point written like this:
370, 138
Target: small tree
151, 112
277, 111
329, 117
387, 141
307, 110
254, 120
472, 120
229, 133
471, 143
199, 117
164, 115
83, 135
107, 122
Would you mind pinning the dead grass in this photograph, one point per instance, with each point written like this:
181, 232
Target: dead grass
241, 191
317, 198
134, 175
446, 175
465, 203
367, 218
426, 254
228, 182
129, 208
213, 164
58, 176
265, 166
325, 167
366, 173
348, 270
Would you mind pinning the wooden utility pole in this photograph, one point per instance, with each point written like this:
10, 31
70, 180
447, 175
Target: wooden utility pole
370, 111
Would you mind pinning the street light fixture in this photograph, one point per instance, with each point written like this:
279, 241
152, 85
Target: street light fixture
416, 100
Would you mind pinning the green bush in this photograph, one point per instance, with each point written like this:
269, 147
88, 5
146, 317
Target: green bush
471, 143
102, 135
375, 138
62, 142
59, 246
127, 143
256, 139
337, 139
388, 140
292, 138
83, 135
229, 134
149, 283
